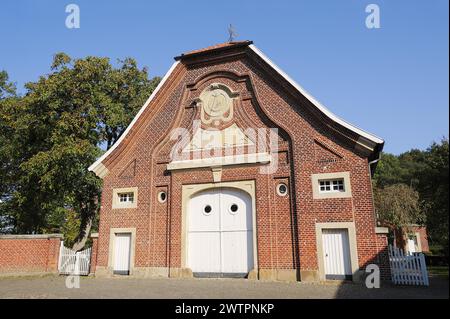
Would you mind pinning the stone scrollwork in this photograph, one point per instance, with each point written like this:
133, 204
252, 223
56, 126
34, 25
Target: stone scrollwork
216, 103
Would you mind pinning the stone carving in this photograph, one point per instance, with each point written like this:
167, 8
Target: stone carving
216, 103
232, 136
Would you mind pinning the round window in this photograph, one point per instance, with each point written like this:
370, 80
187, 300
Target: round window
234, 208
282, 189
207, 210
162, 197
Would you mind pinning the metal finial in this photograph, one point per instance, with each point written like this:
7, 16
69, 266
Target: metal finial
231, 33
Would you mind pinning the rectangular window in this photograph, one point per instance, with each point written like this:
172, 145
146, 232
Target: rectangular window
331, 185
126, 197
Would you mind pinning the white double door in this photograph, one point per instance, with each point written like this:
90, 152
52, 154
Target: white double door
336, 254
220, 233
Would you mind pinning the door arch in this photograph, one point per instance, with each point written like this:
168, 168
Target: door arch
220, 233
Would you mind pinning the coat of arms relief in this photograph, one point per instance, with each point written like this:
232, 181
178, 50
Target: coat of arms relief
216, 103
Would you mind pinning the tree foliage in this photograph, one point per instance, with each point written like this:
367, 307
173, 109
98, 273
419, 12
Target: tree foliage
427, 173
51, 134
398, 206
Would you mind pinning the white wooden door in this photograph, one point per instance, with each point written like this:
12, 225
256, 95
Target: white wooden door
204, 233
122, 245
220, 233
336, 254
236, 232
411, 246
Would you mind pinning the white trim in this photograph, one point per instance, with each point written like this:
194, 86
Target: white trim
221, 161
381, 230
316, 103
278, 189
160, 196
143, 108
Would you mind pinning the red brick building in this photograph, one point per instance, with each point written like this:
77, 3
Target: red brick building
232, 169
412, 239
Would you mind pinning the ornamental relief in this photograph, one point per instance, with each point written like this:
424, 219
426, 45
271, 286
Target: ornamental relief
232, 136
216, 103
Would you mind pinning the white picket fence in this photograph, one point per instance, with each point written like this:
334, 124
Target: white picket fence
407, 269
74, 263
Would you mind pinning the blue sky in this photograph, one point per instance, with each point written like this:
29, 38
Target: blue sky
391, 81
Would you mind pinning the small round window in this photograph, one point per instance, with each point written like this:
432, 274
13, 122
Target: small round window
234, 208
207, 210
162, 197
282, 189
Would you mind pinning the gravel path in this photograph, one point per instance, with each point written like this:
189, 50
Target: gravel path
54, 287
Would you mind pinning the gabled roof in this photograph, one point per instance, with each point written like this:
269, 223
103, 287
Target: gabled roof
367, 140
214, 48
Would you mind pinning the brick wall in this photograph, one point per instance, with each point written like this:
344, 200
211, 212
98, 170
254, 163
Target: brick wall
94, 253
29, 253
383, 256
423, 238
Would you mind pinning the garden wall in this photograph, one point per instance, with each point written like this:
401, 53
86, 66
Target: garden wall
29, 254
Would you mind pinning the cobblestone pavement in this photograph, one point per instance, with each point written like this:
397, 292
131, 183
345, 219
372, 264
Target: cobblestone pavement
125, 287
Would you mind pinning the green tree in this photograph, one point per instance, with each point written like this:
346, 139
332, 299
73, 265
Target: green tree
427, 173
7, 88
56, 130
398, 206
7, 133
388, 171
434, 189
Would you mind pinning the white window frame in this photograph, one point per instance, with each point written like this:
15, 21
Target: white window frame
332, 193
126, 197
117, 202
333, 185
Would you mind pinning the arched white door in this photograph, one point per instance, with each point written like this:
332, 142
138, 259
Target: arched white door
220, 233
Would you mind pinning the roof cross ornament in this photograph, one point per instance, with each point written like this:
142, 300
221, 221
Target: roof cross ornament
231, 33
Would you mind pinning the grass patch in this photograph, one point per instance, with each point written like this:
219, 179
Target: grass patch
441, 271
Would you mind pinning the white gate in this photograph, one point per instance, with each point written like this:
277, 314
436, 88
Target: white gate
407, 269
71, 262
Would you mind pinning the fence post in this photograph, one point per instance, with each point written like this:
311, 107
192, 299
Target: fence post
77, 263
424, 270
61, 247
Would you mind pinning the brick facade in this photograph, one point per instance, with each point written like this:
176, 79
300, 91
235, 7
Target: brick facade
420, 234
21, 254
93, 263
308, 143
